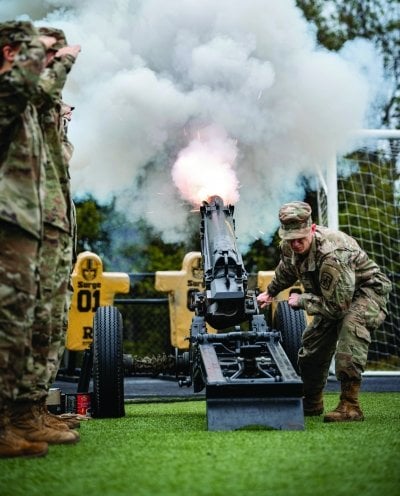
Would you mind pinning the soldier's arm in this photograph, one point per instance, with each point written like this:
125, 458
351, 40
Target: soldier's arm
284, 277
53, 78
337, 283
19, 85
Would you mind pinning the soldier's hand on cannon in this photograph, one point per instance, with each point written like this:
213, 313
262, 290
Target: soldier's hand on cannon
264, 299
294, 301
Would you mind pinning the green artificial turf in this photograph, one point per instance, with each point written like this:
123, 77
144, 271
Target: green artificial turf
164, 449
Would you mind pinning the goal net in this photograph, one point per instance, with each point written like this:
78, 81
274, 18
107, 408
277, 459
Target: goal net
365, 199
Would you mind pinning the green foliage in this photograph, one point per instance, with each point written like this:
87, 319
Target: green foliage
369, 210
164, 449
339, 21
151, 253
260, 256
91, 217
371, 195
107, 232
88, 218
154, 254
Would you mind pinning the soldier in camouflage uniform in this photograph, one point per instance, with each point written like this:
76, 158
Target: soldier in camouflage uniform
57, 342
49, 328
344, 291
68, 150
22, 174
66, 116
22, 58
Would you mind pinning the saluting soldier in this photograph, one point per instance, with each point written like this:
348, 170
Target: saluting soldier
23, 155
56, 251
345, 292
22, 59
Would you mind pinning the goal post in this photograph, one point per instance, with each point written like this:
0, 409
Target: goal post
359, 193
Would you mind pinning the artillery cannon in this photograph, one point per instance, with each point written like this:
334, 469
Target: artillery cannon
247, 375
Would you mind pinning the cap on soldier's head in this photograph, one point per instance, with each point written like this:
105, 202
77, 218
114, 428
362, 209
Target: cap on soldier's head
16, 32
295, 219
58, 34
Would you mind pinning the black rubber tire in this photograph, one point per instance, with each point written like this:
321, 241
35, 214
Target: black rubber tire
291, 324
108, 367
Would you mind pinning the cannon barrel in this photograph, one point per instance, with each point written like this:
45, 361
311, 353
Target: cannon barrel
225, 302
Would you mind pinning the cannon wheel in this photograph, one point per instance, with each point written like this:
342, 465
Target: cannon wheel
108, 367
291, 323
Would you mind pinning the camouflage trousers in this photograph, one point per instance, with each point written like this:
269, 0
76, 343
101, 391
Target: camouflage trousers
18, 298
51, 313
347, 338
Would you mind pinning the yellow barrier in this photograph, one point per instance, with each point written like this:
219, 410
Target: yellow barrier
180, 284
92, 288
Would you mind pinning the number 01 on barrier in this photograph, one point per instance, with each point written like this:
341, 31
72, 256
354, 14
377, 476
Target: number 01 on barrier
87, 300
92, 288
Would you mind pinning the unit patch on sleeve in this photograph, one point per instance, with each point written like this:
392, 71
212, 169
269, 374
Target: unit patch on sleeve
329, 277
326, 280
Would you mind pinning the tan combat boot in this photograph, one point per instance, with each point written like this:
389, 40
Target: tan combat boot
348, 409
73, 420
313, 404
12, 445
27, 421
54, 421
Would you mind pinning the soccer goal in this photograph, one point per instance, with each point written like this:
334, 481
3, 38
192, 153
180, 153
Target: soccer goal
359, 194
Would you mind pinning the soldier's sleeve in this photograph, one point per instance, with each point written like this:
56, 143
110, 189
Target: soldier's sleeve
67, 148
52, 80
28, 65
19, 85
284, 277
337, 284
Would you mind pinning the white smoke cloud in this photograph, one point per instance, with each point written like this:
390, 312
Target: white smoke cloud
153, 72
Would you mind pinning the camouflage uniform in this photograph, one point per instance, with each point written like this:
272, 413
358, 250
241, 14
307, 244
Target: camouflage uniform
68, 150
23, 430
344, 291
21, 176
49, 329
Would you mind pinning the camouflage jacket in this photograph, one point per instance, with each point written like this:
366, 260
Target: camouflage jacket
22, 154
57, 204
334, 271
68, 147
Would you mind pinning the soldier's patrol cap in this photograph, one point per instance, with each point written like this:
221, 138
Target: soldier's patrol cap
16, 32
58, 34
295, 219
